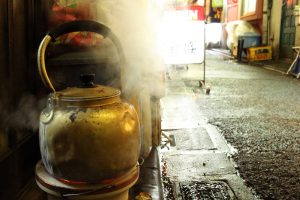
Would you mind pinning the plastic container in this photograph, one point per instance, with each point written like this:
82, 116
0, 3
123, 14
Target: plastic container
259, 53
250, 40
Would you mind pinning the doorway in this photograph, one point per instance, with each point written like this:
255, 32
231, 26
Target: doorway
288, 29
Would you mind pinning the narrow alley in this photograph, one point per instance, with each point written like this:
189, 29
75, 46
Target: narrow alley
239, 142
150, 100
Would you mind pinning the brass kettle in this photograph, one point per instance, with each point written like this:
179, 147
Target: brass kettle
86, 133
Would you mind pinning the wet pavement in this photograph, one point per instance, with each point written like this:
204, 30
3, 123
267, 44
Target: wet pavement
245, 134
197, 153
242, 141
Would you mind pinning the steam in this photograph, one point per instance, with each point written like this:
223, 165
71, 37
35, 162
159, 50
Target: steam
132, 23
24, 116
142, 74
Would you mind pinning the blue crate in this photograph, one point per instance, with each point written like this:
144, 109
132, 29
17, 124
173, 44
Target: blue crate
250, 40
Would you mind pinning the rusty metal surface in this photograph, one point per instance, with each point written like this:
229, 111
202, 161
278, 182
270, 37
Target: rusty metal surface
150, 178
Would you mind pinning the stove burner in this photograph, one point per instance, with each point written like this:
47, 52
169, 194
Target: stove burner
114, 190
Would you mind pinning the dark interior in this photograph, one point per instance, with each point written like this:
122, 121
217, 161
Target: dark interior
23, 24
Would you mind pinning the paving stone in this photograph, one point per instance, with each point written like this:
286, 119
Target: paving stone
186, 166
191, 139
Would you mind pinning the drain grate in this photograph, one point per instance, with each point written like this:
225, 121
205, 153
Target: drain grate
197, 190
216, 190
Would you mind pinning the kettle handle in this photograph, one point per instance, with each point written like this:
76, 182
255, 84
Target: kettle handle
73, 26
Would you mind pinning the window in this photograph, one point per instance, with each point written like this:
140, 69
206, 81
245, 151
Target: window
252, 10
249, 6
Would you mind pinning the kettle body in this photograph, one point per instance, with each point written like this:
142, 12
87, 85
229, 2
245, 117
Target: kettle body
90, 140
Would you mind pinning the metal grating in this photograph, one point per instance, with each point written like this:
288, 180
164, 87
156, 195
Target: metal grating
217, 190
197, 190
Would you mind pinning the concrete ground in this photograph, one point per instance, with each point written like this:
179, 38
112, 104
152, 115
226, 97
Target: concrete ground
244, 136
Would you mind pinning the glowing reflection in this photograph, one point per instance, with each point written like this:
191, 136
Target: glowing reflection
180, 34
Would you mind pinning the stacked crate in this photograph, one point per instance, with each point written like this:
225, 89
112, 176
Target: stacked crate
259, 53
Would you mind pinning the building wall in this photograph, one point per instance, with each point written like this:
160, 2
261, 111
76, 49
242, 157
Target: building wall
265, 24
233, 9
269, 24
297, 37
275, 24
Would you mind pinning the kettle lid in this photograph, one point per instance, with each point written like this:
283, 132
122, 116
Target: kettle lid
87, 91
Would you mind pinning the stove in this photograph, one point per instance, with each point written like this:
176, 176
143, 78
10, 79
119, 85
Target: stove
114, 189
